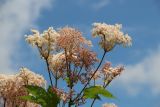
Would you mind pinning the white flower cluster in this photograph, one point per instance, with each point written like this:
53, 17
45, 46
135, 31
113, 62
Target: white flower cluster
57, 63
6, 83
13, 85
111, 35
48, 37
109, 105
55, 59
31, 78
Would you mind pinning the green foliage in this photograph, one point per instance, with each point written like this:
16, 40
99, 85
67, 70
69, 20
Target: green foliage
94, 92
40, 96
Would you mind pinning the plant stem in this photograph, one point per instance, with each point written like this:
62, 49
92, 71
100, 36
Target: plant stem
50, 78
92, 75
104, 86
68, 73
94, 82
46, 59
4, 99
80, 70
49, 72
93, 102
69, 76
69, 104
56, 80
63, 105
94, 98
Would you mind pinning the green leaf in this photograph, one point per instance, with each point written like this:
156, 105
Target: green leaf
40, 96
36, 94
94, 92
36, 90
34, 100
28, 98
52, 99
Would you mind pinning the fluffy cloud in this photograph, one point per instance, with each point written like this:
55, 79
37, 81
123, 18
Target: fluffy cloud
100, 4
96, 4
15, 17
145, 73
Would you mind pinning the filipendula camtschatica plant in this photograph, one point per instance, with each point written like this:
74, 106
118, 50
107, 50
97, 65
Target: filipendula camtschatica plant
70, 60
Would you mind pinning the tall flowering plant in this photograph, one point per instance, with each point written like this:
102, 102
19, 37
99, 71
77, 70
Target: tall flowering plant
70, 61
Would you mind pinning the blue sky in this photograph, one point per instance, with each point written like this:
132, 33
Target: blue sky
138, 86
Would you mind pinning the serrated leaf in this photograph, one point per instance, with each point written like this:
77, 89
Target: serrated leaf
94, 92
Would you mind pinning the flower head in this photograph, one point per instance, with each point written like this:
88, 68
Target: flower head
30, 78
70, 39
46, 42
86, 57
110, 73
12, 86
57, 63
110, 35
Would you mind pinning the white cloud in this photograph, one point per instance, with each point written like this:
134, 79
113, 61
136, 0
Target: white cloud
15, 17
145, 73
100, 4
96, 4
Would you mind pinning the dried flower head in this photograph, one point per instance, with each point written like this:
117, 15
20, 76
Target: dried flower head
110, 73
70, 39
86, 57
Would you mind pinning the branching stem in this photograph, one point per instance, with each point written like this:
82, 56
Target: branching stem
91, 76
